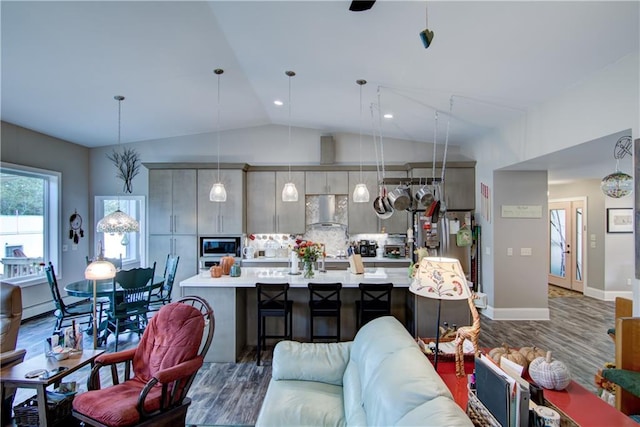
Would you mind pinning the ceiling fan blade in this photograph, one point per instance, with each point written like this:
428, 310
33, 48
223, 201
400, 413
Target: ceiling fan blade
360, 5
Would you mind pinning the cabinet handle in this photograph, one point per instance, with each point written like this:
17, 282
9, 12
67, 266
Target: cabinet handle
170, 223
277, 228
222, 223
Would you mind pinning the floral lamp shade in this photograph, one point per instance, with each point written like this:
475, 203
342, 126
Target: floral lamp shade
117, 222
440, 278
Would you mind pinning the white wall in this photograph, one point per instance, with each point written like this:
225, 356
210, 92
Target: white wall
606, 103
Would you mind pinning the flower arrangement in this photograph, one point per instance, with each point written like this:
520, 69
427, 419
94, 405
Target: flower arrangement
308, 251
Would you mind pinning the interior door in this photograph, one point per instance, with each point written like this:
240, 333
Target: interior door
566, 244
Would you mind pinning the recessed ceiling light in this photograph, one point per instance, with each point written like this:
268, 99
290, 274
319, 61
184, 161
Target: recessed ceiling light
278, 103
388, 116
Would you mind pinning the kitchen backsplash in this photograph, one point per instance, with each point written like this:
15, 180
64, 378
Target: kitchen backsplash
334, 238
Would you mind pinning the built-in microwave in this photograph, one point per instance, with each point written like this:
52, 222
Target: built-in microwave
219, 246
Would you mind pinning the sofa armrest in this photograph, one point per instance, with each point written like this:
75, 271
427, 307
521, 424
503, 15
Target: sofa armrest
322, 362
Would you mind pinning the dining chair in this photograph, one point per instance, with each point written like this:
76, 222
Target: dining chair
151, 381
10, 318
375, 301
273, 301
162, 296
64, 312
129, 301
324, 301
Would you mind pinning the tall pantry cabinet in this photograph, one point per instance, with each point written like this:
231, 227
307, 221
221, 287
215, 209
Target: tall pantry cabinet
172, 220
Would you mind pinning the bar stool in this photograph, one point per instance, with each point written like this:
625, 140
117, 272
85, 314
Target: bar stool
273, 302
375, 301
324, 301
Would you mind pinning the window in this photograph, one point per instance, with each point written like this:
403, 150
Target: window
29, 218
129, 245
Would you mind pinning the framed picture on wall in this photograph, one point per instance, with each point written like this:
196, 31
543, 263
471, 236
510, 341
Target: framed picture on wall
620, 220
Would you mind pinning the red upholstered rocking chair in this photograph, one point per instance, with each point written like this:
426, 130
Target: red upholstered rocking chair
165, 363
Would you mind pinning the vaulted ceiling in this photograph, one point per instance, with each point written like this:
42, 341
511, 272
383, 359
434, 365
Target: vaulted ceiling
62, 63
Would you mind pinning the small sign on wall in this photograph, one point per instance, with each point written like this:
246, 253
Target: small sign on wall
521, 211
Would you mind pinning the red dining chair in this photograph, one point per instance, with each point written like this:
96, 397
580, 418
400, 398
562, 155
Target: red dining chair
165, 363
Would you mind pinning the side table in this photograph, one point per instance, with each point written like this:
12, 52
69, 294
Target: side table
15, 376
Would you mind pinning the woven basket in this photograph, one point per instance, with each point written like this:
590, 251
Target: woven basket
478, 413
26, 413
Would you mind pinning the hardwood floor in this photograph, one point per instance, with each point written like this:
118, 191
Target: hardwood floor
231, 393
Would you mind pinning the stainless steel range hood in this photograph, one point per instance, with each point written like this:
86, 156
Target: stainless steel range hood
326, 210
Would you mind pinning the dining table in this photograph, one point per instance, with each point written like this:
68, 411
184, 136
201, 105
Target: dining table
104, 288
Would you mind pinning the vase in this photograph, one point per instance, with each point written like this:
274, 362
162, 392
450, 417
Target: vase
307, 270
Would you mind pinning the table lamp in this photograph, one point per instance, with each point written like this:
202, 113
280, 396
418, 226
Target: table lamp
98, 270
442, 279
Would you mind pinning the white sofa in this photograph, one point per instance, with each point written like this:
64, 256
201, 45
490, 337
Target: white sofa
381, 378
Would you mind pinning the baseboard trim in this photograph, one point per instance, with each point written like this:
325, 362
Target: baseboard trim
516, 313
606, 295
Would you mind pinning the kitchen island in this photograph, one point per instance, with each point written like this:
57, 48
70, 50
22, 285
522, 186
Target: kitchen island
233, 300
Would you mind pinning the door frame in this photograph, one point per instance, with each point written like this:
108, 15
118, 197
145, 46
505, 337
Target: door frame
585, 246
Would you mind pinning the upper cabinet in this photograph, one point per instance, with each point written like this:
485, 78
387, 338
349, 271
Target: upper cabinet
221, 217
172, 201
327, 182
362, 217
266, 212
459, 185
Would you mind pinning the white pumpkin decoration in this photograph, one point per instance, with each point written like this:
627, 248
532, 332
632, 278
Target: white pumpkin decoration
548, 373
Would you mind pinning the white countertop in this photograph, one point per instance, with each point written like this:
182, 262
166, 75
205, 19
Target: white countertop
250, 275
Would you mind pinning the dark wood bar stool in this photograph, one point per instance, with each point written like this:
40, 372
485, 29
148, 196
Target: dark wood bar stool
273, 301
324, 301
375, 301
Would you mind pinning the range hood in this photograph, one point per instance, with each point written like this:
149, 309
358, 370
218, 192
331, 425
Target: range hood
327, 210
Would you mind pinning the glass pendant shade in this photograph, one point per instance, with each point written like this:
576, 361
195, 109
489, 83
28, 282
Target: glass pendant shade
617, 185
100, 270
218, 193
117, 222
361, 193
289, 192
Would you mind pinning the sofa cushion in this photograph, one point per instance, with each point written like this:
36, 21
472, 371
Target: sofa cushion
352, 394
438, 412
324, 362
302, 403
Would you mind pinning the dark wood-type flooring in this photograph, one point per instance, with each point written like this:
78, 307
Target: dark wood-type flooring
231, 393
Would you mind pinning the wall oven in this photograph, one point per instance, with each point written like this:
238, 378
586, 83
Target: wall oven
213, 248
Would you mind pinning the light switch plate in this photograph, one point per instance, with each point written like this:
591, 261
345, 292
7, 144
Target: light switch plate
525, 251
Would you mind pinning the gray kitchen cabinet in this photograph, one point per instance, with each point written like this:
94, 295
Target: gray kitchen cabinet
172, 201
184, 246
221, 217
362, 217
290, 216
326, 182
400, 220
266, 212
460, 187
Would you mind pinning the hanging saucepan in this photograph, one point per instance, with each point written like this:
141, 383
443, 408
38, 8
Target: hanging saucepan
400, 198
381, 205
424, 195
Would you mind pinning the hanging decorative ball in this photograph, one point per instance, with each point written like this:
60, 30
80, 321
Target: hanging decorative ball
617, 185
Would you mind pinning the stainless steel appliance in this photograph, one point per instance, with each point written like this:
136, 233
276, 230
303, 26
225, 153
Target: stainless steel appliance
367, 248
213, 248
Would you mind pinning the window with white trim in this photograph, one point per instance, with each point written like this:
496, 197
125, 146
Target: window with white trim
29, 218
128, 245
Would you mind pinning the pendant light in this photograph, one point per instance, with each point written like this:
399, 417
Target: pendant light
289, 192
618, 184
361, 192
118, 221
218, 193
